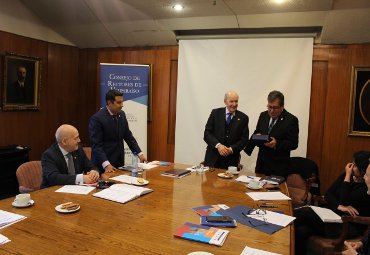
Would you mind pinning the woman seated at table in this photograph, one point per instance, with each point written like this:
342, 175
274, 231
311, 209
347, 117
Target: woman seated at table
346, 196
361, 247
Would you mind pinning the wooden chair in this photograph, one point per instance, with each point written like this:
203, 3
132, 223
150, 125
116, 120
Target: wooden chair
299, 189
326, 246
87, 151
303, 172
29, 176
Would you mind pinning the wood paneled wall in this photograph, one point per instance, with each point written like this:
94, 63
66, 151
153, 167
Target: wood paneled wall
63, 98
70, 92
328, 141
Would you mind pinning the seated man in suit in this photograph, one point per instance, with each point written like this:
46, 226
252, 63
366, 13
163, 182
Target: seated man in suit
107, 129
282, 129
226, 134
65, 162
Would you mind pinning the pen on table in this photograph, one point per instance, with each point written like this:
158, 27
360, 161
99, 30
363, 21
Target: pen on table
245, 215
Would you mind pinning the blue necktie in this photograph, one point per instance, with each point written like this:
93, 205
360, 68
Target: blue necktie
228, 119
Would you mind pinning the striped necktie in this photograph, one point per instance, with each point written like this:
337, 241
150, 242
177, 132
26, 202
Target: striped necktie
271, 125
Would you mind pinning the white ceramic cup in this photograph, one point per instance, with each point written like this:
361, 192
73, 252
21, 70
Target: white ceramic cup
232, 169
254, 184
22, 199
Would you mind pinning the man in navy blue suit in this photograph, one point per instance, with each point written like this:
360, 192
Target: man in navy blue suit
226, 134
108, 128
65, 162
282, 129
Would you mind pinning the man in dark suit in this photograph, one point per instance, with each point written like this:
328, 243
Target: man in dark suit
282, 129
20, 91
226, 134
65, 162
108, 128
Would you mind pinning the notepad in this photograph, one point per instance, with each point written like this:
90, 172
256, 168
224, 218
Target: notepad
326, 215
122, 193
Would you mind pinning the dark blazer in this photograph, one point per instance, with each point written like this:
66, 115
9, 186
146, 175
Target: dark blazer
55, 169
106, 138
215, 132
285, 131
17, 94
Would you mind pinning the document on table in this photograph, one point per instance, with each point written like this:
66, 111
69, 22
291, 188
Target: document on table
75, 189
4, 239
251, 251
247, 178
274, 218
8, 218
267, 196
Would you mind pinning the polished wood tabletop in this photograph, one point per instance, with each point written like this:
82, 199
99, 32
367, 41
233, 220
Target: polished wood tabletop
142, 226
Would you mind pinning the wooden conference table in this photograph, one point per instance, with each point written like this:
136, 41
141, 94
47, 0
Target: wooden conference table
143, 226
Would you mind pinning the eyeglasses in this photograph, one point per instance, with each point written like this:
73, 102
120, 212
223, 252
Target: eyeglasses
259, 213
270, 107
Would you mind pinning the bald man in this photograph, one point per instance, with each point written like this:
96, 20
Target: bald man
226, 133
65, 162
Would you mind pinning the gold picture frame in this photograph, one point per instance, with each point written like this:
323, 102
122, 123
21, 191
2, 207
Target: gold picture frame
22, 78
359, 120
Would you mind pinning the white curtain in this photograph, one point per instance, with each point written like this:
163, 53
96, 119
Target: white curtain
251, 67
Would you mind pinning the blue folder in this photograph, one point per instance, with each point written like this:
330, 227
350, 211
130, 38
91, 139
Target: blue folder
237, 214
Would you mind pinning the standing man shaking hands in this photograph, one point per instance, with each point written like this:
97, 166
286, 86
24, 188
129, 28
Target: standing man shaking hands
282, 129
226, 134
108, 128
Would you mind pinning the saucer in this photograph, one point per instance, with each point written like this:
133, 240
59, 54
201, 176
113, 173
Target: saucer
135, 182
224, 175
233, 173
249, 187
31, 202
58, 208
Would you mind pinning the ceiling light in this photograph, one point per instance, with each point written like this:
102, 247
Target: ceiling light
279, 1
178, 7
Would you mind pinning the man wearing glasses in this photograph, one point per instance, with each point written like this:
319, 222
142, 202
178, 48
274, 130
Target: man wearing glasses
282, 130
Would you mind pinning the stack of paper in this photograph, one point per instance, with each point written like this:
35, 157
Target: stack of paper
4, 239
268, 196
76, 189
8, 218
251, 251
326, 215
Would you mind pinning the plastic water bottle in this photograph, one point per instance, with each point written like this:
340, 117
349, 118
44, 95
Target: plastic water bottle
135, 161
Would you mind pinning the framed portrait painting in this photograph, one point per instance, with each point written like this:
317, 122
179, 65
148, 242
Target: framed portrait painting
22, 77
359, 121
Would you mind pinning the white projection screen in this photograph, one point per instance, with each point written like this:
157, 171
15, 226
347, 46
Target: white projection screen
252, 68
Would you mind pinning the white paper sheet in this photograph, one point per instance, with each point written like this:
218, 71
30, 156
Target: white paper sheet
267, 196
75, 189
4, 239
247, 178
274, 218
8, 218
124, 178
251, 251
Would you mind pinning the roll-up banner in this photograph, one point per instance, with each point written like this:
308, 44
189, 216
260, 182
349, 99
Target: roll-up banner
133, 82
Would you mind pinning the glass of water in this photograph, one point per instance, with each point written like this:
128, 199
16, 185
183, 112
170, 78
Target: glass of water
140, 172
199, 169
